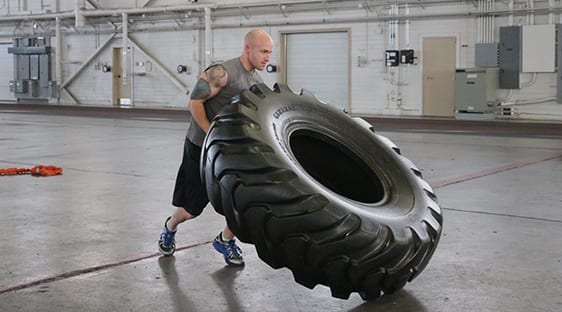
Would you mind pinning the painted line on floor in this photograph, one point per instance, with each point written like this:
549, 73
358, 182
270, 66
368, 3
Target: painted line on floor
102, 267
503, 215
492, 171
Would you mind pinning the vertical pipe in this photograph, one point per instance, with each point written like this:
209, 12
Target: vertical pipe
58, 56
485, 21
79, 19
479, 24
125, 50
510, 17
530, 14
407, 27
493, 19
550, 13
488, 21
396, 28
208, 38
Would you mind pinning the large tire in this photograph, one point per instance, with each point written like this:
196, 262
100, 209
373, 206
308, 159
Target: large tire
319, 193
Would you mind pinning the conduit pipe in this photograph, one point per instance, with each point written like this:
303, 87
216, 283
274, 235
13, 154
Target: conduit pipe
79, 19
550, 13
510, 6
16, 18
531, 14
125, 50
208, 38
149, 10
479, 24
58, 55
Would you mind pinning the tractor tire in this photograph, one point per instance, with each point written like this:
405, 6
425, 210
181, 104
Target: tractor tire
319, 193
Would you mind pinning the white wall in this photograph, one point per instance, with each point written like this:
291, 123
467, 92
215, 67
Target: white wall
372, 90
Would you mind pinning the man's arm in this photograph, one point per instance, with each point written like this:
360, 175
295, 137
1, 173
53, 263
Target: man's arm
209, 84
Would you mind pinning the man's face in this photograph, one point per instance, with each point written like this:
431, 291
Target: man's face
260, 52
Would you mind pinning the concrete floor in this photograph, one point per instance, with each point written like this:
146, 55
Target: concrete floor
86, 240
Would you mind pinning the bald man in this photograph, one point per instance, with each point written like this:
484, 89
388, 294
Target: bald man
213, 90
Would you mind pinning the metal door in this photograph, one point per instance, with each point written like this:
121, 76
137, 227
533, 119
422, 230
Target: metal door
439, 63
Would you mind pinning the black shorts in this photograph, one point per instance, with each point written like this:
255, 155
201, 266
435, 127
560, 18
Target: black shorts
190, 192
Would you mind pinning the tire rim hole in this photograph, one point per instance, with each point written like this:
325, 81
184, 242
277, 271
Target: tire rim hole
335, 166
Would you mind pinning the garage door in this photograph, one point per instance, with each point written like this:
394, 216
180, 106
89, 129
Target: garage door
319, 62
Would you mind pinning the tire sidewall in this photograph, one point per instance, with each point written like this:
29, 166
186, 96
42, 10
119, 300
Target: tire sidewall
282, 114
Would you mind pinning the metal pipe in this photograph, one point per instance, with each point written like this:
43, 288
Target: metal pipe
79, 19
510, 16
487, 2
125, 50
479, 24
15, 18
550, 14
208, 38
58, 56
132, 11
530, 14
493, 33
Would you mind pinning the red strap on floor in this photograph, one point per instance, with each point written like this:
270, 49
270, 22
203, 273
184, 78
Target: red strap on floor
38, 171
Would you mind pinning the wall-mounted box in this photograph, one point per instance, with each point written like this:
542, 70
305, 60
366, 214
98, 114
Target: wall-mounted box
509, 57
538, 48
486, 55
559, 58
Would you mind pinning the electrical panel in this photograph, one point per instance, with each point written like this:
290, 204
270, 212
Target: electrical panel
509, 57
559, 58
538, 48
407, 56
31, 69
392, 58
486, 55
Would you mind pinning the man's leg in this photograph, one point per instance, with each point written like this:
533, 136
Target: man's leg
167, 242
180, 215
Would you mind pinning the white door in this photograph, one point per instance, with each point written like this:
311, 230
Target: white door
7, 72
439, 62
319, 62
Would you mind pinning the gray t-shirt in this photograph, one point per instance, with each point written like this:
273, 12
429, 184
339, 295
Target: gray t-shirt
238, 79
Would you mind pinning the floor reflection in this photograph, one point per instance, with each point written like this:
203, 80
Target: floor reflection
402, 301
178, 299
225, 280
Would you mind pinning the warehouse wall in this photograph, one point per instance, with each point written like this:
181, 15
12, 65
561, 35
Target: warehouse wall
180, 41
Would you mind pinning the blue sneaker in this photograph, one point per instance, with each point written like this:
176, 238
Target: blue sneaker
231, 252
167, 242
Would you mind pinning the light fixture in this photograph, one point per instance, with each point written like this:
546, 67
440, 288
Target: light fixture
181, 69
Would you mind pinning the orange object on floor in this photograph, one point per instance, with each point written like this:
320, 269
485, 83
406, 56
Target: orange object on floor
38, 171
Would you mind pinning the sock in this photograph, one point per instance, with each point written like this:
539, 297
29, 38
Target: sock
168, 229
224, 240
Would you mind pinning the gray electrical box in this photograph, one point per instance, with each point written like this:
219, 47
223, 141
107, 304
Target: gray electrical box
32, 70
559, 58
509, 57
475, 90
486, 55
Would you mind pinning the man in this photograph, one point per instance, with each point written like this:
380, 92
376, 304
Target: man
214, 89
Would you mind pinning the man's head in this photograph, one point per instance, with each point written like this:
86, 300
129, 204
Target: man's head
258, 47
